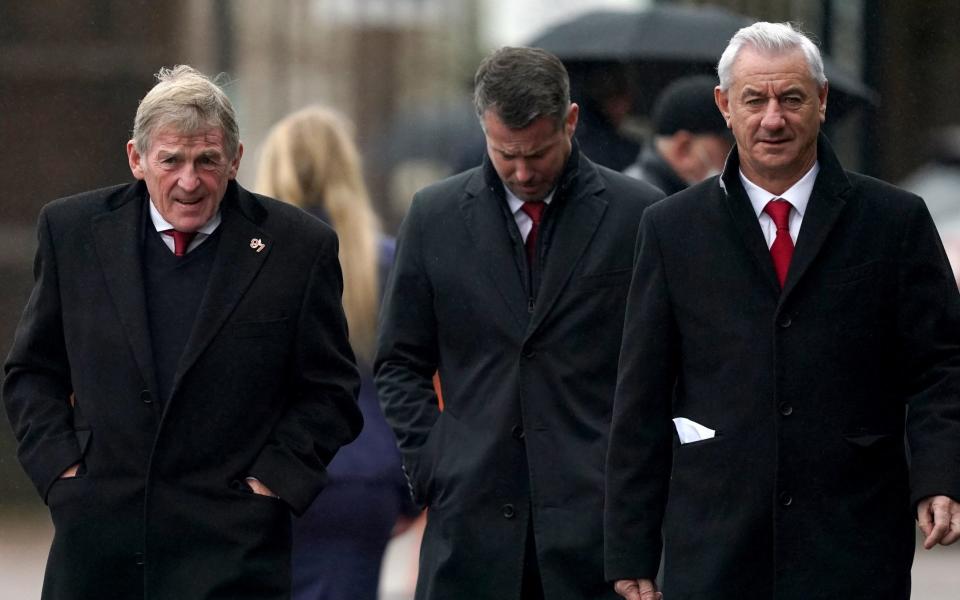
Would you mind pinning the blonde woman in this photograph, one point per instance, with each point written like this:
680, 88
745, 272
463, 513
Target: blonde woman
309, 159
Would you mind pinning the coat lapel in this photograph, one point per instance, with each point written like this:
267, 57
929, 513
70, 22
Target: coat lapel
236, 265
745, 220
577, 222
826, 204
118, 244
483, 216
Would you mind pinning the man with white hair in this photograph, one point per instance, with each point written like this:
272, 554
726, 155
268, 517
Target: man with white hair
181, 375
782, 320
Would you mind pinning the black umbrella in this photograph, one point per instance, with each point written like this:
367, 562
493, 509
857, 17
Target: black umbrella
664, 42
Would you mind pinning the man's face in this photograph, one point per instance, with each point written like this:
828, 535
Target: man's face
186, 174
775, 108
529, 160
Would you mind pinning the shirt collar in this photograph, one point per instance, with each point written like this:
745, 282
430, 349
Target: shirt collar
515, 203
161, 224
797, 195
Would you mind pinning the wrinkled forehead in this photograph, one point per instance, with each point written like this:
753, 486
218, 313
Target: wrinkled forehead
174, 136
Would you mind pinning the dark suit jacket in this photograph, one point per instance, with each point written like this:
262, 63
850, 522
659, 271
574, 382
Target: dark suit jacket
265, 387
527, 389
805, 492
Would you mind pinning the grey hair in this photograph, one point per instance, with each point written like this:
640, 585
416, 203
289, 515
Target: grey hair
188, 101
770, 38
520, 85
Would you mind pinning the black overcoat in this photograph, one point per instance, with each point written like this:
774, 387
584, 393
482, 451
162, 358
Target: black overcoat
265, 387
804, 492
527, 385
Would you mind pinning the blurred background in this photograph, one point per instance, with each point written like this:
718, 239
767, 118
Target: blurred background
72, 72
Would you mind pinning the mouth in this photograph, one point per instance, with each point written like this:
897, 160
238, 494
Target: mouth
187, 202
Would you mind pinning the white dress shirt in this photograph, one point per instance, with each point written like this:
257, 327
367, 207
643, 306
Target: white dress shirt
798, 195
524, 222
202, 234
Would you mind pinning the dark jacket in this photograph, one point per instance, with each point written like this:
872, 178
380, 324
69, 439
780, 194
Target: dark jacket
265, 387
527, 382
651, 167
804, 492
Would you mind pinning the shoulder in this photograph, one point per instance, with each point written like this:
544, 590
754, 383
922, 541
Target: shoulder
90, 203
280, 218
440, 198
621, 185
882, 194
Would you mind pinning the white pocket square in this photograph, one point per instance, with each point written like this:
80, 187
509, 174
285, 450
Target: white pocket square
691, 431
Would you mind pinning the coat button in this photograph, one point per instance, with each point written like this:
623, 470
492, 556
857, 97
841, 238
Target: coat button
785, 499
508, 511
786, 409
138, 558
528, 353
517, 432
785, 322
145, 397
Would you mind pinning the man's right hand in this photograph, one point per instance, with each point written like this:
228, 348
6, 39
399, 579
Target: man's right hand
637, 589
70, 472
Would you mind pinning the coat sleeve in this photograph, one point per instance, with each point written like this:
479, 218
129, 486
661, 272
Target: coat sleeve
323, 414
928, 307
407, 355
640, 451
37, 386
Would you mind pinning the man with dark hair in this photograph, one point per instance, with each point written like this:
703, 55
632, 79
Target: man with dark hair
510, 280
181, 375
691, 139
782, 319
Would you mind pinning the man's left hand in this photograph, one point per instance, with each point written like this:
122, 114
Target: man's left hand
939, 520
258, 487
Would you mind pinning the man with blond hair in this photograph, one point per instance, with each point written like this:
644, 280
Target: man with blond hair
181, 374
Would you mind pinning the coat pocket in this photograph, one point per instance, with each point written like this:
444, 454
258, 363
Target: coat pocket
616, 277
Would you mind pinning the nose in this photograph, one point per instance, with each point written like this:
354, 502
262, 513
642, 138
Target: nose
188, 180
523, 172
772, 115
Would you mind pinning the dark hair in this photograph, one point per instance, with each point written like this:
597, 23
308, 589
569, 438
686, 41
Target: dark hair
520, 85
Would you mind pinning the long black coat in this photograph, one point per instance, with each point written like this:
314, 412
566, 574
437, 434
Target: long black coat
527, 386
805, 491
265, 387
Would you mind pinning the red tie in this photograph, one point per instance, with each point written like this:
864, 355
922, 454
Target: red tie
181, 240
782, 249
534, 210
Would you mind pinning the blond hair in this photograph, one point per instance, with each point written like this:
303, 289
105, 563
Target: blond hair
309, 159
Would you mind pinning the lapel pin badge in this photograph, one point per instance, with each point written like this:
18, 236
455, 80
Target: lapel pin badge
257, 244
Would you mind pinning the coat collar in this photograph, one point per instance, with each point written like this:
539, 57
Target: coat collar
578, 210
827, 200
118, 245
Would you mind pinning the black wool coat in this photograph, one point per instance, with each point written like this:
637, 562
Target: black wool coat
266, 387
527, 383
805, 491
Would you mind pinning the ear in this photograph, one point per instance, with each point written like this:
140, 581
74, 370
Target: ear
235, 163
570, 123
722, 100
823, 101
135, 160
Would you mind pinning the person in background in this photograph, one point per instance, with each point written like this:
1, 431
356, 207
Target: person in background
181, 375
789, 324
309, 159
511, 280
691, 139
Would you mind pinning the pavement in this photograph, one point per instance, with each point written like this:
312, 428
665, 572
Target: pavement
25, 539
